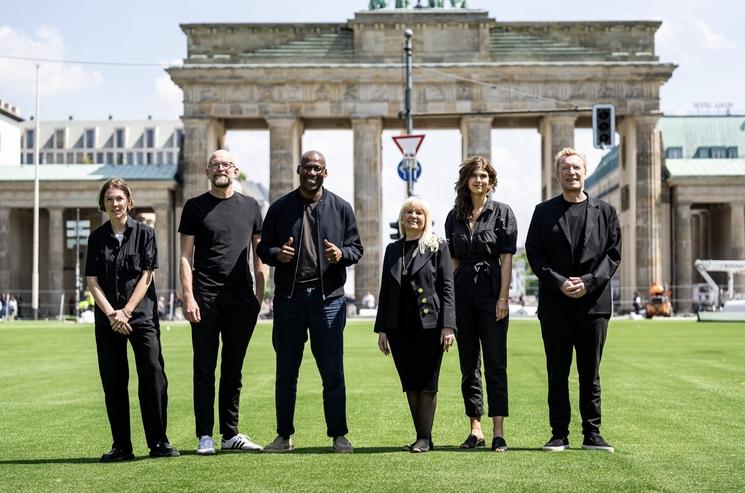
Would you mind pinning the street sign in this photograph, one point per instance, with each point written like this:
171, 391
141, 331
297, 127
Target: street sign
71, 242
403, 170
408, 144
77, 231
409, 169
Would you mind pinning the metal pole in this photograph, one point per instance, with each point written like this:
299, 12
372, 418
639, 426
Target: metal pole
77, 264
408, 33
410, 163
35, 255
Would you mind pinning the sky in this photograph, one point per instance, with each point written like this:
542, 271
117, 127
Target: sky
704, 38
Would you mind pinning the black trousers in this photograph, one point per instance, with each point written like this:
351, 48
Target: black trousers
479, 331
152, 382
233, 317
563, 333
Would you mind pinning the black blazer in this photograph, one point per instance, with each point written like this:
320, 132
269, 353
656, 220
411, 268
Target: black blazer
432, 280
549, 253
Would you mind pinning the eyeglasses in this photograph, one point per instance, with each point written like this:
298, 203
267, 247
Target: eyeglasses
312, 168
219, 164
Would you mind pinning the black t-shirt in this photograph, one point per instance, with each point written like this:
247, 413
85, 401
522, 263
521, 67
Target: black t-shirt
575, 213
222, 231
118, 267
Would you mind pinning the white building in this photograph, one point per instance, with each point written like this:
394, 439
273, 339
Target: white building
103, 141
10, 134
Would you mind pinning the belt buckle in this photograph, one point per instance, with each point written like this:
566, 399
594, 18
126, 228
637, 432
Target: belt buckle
309, 290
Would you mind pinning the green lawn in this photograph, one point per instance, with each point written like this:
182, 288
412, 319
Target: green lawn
673, 406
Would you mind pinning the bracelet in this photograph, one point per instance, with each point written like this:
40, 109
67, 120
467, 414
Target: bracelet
504, 299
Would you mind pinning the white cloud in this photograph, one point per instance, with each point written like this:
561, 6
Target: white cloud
712, 39
55, 79
169, 94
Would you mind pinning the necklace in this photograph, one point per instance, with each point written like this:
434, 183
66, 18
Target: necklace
405, 268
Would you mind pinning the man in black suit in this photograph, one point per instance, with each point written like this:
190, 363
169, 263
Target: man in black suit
574, 247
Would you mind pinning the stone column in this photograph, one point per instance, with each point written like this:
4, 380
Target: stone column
202, 136
683, 258
56, 261
557, 132
737, 234
368, 205
5, 250
476, 136
285, 134
648, 185
163, 282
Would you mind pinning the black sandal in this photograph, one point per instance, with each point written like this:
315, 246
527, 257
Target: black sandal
498, 444
422, 445
473, 442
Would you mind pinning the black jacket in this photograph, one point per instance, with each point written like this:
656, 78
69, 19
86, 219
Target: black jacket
432, 280
549, 253
336, 223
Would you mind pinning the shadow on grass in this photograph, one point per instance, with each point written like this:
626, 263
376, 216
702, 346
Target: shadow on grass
59, 460
388, 450
84, 460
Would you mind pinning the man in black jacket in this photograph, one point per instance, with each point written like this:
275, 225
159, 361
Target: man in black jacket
310, 237
574, 247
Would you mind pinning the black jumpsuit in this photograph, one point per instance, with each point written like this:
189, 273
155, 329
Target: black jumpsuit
477, 286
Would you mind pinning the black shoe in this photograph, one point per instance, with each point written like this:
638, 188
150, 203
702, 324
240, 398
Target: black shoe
422, 445
556, 444
473, 442
596, 442
163, 449
498, 444
117, 454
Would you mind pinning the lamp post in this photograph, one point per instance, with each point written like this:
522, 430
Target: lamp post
35, 265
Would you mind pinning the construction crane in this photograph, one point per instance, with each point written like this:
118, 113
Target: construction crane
733, 309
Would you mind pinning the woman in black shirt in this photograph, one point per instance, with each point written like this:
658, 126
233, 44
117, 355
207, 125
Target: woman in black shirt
122, 256
416, 313
482, 235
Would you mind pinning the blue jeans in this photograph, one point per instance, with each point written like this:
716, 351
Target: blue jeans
307, 312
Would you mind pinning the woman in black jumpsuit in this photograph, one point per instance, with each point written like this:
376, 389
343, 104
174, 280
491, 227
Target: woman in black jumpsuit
122, 256
482, 235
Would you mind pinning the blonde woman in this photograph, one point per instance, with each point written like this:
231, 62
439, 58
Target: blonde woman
416, 313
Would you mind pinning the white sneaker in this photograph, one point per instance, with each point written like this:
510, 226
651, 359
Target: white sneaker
239, 442
206, 445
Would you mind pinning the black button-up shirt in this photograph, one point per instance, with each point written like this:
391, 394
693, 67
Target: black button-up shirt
119, 267
494, 233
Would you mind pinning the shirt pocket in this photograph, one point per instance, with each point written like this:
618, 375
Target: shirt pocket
133, 263
460, 246
486, 242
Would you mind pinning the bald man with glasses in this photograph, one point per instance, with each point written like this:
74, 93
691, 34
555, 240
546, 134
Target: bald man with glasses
218, 230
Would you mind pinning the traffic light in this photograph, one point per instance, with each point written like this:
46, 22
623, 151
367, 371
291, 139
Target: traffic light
396, 235
603, 126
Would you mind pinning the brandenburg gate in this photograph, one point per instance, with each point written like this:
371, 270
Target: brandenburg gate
471, 73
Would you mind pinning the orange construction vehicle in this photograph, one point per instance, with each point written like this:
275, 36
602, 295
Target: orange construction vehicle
659, 301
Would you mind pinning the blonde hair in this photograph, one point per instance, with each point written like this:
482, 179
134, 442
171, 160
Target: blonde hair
428, 238
565, 153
